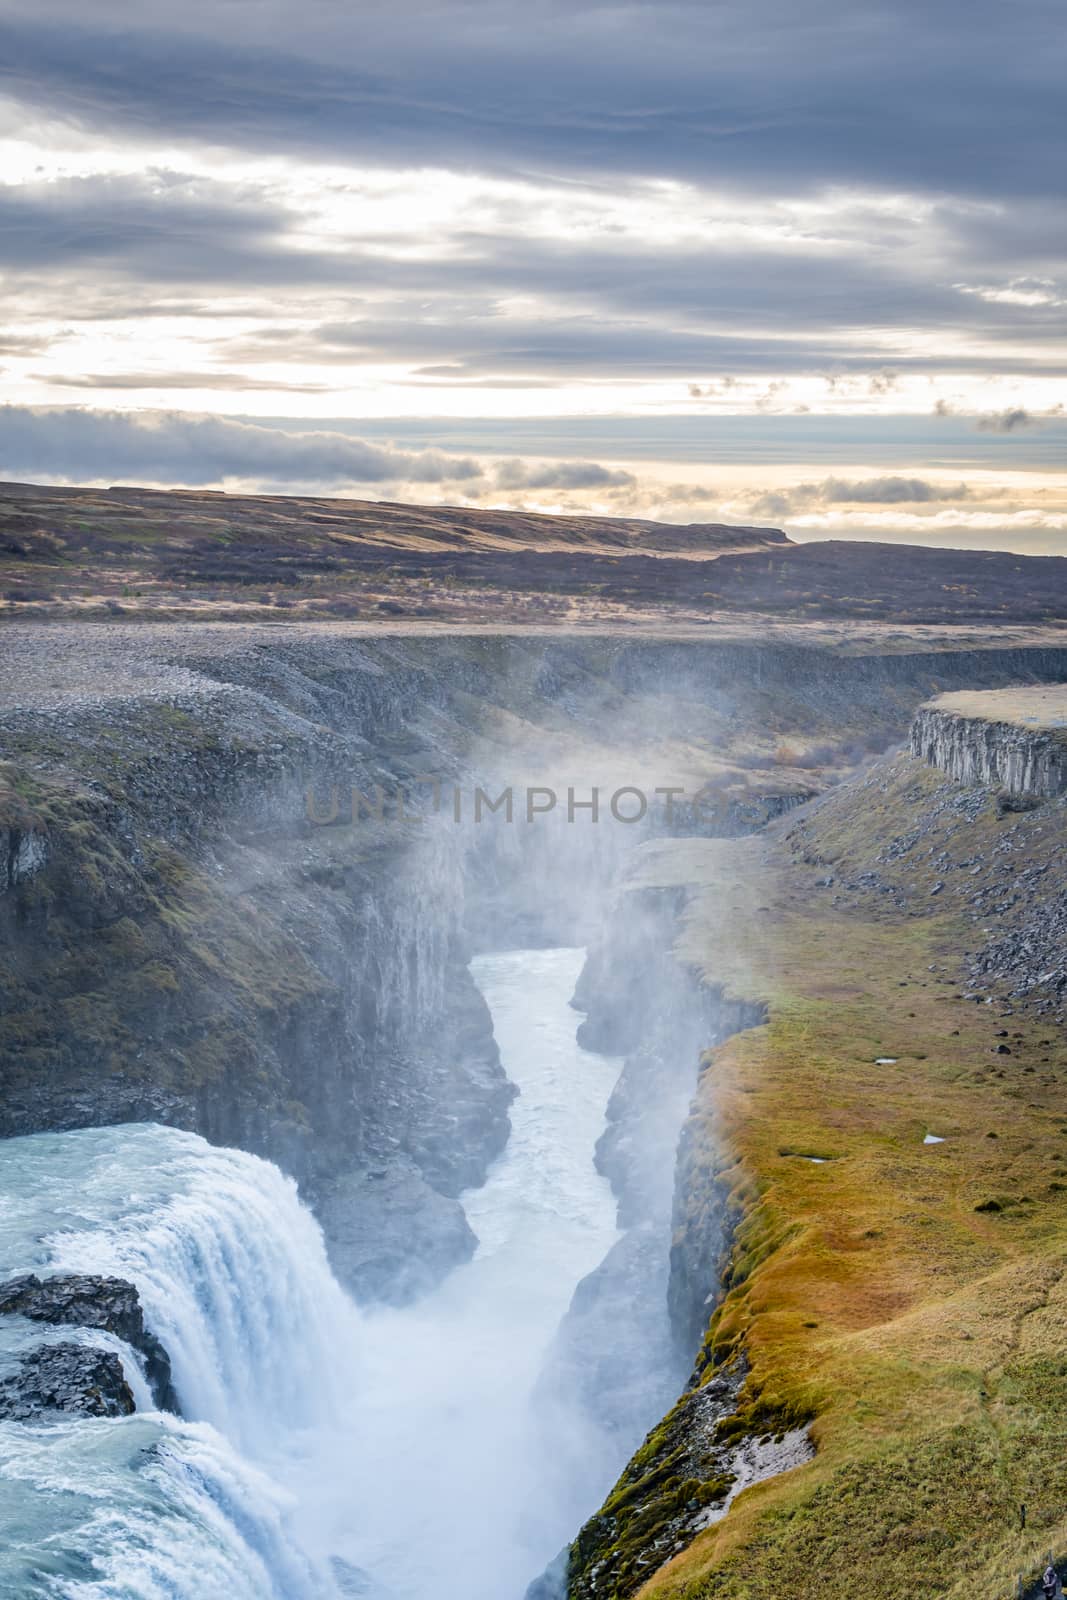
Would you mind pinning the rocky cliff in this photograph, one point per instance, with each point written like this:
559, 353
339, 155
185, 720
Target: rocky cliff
889, 1139
184, 942
70, 1378
650, 1302
1013, 739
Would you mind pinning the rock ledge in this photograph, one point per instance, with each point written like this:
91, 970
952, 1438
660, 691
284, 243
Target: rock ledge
84, 1301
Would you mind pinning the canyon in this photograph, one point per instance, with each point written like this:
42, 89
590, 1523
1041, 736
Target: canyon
253, 924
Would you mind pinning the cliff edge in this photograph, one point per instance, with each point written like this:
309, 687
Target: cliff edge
1014, 739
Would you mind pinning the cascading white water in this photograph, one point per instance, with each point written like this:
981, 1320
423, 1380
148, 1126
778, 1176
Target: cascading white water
233, 1277
230, 1267
409, 1442
144, 1508
474, 1480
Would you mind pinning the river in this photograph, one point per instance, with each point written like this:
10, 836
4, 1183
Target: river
414, 1454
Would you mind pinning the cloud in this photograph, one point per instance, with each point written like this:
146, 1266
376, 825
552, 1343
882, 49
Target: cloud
161, 226
838, 446
561, 475
175, 447
1012, 419
20, 344
890, 491
763, 95
448, 350
208, 378
180, 447
1007, 421
748, 290
884, 491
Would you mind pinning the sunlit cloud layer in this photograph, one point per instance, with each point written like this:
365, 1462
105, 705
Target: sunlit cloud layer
678, 214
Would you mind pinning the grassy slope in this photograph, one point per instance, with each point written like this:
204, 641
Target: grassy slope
927, 1338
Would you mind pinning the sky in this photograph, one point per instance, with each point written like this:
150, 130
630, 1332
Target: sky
802, 265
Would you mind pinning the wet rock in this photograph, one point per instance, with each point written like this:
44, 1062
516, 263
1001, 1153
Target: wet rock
552, 1584
390, 1236
70, 1378
85, 1301
356, 1584
614, 1357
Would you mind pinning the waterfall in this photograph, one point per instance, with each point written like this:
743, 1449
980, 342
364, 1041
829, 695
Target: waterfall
144, 1508
233, 1277
421, 1454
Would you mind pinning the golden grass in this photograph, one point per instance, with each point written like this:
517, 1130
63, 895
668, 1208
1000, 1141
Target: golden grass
1041, 707
927, 1338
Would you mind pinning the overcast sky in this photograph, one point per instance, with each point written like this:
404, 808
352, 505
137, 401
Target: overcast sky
801, 263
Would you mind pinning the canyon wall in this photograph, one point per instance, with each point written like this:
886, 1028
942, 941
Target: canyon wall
185, 942
1012, 740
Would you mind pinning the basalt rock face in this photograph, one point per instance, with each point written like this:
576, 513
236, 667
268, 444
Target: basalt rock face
665, 1275
613, 1358
68, 1378
702, 1223
643, 1003
552, 1584
682, 1481
195, 939
617, 1354
85, 1301
1026, 762
391, 1237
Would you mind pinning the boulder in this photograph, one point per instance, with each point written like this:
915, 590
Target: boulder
84, 1301
70, 1378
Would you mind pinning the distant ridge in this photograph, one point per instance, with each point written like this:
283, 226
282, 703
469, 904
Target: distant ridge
153, 554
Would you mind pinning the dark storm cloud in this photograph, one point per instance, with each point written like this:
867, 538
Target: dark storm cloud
930, 94
177, 447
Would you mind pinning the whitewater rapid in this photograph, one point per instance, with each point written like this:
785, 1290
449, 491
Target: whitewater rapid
324, 1451
481, 1478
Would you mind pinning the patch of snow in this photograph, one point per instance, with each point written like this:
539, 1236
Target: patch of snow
886, 1061
933, 1138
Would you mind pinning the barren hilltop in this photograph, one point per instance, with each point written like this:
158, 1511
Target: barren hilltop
195, 554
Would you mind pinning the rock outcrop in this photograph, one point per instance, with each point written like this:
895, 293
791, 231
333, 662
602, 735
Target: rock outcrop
1014, 740
390, 1236
84, 1301
69, 1378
